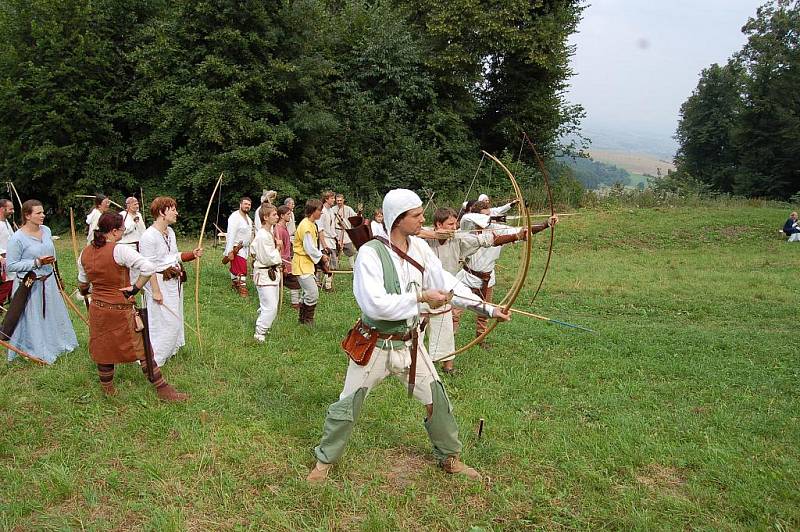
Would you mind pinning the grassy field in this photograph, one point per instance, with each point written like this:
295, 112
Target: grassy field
681, 413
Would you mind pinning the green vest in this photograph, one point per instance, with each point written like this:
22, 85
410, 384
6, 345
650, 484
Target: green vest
391, 283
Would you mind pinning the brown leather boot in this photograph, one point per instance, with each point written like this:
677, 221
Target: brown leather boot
242, 289
310, 309
319, 474
235, 285
302, 313
296, 306
170, 395
108, 389
454, 466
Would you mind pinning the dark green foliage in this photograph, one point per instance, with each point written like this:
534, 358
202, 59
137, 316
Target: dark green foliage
740, 129
295, 96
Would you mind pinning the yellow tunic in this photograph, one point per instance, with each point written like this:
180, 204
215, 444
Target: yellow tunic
301, 262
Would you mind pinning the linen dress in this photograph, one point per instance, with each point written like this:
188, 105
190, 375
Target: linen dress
44, 330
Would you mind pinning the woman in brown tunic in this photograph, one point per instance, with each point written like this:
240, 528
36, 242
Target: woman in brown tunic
113, 335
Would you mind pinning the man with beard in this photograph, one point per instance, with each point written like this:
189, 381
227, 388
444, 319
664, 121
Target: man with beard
237, 245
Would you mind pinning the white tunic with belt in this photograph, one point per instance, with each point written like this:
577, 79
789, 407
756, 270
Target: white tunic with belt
165, 319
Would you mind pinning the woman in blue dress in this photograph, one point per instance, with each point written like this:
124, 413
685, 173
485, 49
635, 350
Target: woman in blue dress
44, 329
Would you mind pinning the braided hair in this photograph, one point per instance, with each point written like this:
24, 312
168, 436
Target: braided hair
107, 223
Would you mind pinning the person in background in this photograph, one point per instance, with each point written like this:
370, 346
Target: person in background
290, 225
134, 223
6, 283
452, 252
43, 329
343, 213
282, 233
101, 205
266, 250
237, 245
268, 197
376, 225
791, 228
326, 225
307, 256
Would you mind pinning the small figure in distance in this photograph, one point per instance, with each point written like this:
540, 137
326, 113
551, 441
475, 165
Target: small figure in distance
791, 228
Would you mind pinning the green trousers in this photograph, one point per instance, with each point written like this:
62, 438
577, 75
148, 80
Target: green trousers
342, 415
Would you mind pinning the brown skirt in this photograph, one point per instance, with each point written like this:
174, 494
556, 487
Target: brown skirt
112, 335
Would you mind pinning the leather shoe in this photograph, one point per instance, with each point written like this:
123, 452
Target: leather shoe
319, 474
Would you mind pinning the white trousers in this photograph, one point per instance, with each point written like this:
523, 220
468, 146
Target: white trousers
441, 338
794, 237
385, 362
268, 307
310, 290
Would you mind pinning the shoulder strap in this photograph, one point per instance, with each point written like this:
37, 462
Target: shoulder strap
403, 254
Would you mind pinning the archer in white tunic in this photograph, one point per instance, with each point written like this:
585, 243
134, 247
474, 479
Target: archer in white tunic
165, 318
389, 288
134, 227
239, 232
266, 277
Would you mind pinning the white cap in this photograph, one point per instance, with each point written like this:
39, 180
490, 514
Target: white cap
396, 202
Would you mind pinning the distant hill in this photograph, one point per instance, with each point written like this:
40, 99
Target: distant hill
594, 174
635, 163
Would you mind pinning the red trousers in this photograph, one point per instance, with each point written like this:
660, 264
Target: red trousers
5, 291
239, 266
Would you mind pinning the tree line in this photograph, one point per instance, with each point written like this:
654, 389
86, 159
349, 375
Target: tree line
356, 96
739, 131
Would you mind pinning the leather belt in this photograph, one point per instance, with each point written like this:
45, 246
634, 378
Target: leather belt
483, 276
115, 306
43, 278
403, 337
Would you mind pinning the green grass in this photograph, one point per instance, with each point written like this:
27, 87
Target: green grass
681, 413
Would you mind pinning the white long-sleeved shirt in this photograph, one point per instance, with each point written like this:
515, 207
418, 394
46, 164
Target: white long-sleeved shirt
377, 304
91, 221
458, 248
502, 209
160, 249
5, 233
134, 227
264, 250
124, 256
342, 217
240, 229
266, 255
485, 259
311, 249
327, 228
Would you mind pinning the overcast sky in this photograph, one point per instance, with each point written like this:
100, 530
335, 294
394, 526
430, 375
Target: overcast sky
637, 61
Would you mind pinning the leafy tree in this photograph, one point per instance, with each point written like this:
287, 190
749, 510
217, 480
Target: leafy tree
63, 76
769, 131
740, 129
708, 123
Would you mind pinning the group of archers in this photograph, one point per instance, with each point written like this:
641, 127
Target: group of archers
409, 281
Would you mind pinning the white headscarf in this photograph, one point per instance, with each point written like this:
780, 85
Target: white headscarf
396, 202
483, 197
474, 220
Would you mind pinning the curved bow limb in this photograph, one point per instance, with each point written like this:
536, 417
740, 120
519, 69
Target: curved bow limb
546, 177
525, 259
22, 353
199, 264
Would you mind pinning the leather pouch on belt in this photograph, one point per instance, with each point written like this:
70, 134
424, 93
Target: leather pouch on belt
360, 342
